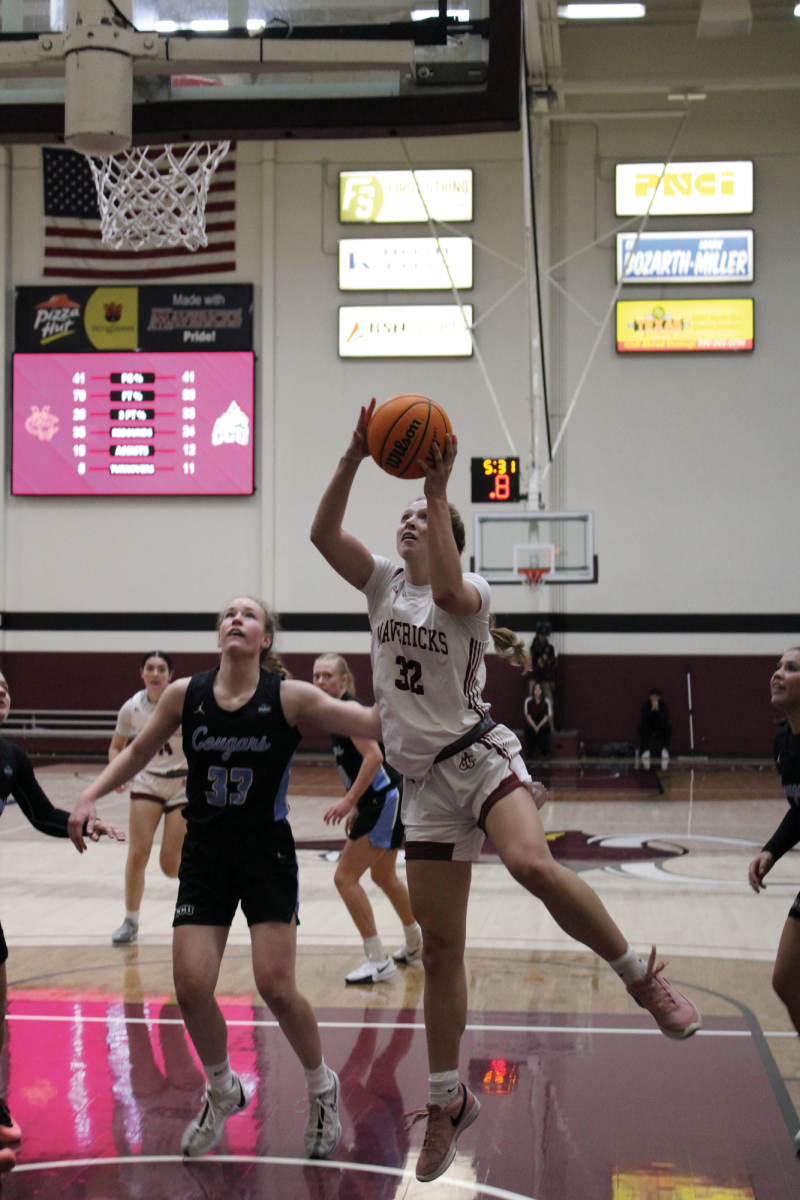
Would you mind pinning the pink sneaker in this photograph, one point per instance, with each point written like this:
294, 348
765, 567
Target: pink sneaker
446, 1123
674, 1013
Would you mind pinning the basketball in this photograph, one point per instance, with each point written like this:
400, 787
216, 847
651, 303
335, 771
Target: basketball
402, 430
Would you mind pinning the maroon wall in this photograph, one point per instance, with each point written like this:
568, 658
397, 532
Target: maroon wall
599, 695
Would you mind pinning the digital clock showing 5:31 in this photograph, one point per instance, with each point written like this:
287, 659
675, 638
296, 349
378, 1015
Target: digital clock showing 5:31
495, 480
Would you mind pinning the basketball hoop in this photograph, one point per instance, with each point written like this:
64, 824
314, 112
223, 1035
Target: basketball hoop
156, 197
533, 576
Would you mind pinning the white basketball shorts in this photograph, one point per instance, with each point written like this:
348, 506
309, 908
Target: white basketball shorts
170, 792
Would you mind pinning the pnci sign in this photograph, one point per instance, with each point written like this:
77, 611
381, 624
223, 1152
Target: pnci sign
684, 189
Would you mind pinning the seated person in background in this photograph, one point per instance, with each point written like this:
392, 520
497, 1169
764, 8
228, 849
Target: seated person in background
543, 664
654, 727
537, 722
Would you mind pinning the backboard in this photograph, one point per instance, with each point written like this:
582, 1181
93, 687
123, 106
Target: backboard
562, 541
235, 69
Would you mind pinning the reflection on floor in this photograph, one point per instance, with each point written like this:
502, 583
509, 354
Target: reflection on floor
582, 1099
570, 1107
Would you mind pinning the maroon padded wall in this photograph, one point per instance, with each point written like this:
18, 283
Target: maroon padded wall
599, 695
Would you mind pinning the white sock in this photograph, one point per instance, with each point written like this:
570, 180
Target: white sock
220, 1077
413, 936
442, 1087
132, 916
629, 966
373, 948
318, 1080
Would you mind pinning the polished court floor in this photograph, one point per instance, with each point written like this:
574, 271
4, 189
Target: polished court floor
582, 1098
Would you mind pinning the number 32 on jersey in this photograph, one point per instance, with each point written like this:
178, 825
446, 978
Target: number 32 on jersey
410, 676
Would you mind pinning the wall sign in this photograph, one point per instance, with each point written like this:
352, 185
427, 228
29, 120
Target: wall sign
132, 423
668, 325
702, 256
404, 264
495, 480
686, 188
405, 331
192, 317
393, 196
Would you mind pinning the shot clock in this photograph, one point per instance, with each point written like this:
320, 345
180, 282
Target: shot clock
495, 480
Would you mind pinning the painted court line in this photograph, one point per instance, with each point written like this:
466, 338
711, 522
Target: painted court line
467, 1185
79, 1018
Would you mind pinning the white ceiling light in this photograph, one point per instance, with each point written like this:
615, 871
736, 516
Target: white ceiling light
601, 12
797, 10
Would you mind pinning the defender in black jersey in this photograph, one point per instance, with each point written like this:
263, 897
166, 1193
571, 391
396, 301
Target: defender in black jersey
239, 733
18, 783
785, 687
371, 809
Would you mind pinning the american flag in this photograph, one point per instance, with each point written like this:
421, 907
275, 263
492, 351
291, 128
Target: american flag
72, 245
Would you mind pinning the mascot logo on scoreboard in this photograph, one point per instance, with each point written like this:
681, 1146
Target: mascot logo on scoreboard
56, 317
42, 423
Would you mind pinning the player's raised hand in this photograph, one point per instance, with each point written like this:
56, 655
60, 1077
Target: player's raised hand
359, 447
438, 466
761, 864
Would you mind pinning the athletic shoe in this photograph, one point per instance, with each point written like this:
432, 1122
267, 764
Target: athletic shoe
323, 1128
674, 1013
203, 1133
410, 958
9, 1129
665, 758
8, 1160
446, 1123
646, 759
127, 933
373, 970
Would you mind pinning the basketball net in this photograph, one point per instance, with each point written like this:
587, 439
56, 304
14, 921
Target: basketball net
149, 198
533, 577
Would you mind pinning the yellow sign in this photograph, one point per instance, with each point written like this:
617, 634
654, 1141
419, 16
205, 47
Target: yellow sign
665, 1183
111, 318
664, 325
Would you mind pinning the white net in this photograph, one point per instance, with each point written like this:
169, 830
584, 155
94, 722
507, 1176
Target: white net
154, 197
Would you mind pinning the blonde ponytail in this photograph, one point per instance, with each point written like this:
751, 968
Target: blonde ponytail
508, 646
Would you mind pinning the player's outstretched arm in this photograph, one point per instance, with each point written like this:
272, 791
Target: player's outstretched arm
304, 702
449, 588
345, 553
41, 812
158, 730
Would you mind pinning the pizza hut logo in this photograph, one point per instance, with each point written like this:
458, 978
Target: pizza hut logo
42, 423
113, 311
56, 317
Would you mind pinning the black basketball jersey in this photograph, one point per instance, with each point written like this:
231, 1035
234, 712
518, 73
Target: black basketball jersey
349, 761
787, 760
239, 761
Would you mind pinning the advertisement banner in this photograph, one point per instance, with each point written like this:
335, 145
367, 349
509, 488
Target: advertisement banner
686, 189
163, 317
405, 331
404, 264
701, 256
685, 325
393, 196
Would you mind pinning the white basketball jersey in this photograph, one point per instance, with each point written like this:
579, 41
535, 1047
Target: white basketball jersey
133, 716
427, 667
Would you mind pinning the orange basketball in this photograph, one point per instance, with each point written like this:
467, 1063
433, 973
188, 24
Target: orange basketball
401, 431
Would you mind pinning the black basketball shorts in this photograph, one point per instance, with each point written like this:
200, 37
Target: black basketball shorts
794, 911
256, 868
379, 819
3, 946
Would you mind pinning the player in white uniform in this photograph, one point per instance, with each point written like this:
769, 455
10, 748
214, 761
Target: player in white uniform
463, 775
159, 790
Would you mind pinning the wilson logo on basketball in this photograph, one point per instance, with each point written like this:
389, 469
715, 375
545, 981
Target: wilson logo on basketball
402, 445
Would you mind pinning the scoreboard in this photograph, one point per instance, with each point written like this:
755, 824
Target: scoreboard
124, 423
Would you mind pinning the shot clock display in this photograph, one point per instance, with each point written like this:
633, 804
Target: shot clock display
125, 423
495, 480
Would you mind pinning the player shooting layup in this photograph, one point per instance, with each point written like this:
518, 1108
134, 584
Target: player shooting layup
463, 775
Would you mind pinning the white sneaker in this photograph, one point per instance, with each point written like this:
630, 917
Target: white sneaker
373, 970
127, 933
411, 958
665, 758
323, 1128
203, 1133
